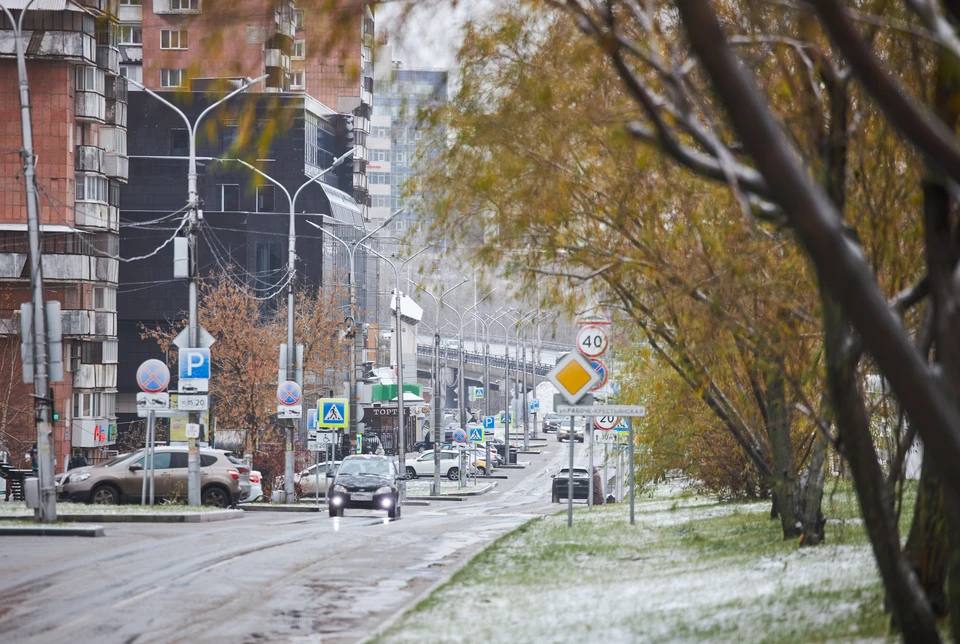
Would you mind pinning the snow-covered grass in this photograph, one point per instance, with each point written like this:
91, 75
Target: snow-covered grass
21, 509
690, 570
425, 487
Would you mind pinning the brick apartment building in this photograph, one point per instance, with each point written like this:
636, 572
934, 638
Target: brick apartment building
79, 129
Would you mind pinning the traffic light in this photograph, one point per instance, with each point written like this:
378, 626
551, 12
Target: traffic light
53, 407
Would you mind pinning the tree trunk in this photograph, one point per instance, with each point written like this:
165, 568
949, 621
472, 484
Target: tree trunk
784, 481
911, 612
811, 494
927, 544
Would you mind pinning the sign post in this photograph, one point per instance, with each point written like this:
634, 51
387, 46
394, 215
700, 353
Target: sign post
153, 377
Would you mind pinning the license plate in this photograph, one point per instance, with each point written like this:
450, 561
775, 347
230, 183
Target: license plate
361, 496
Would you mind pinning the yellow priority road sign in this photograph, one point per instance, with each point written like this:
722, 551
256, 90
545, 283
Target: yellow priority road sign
573, 376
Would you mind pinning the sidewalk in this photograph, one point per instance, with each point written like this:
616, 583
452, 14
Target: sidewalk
81, 512
420, 490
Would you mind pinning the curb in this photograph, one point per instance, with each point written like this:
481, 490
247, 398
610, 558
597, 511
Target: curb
512, 467
284, 508
433, 498
528, 451
415, 502
51, 531
196, 517
494, 476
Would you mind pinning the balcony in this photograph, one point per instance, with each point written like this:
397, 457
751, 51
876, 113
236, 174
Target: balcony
74, 46
89, 323
79, 268
116, 166
90, 376
115, 113
89, 158
276, 58
91, 106
108, 58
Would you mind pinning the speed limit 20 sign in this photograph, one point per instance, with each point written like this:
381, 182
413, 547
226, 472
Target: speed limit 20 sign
592, 341
606, 422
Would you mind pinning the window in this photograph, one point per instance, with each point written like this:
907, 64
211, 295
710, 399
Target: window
181, 5
86, 404
172, 39
399, 157
161, 460
132, 2
206, 460
91, 187
179, 142
229, 197
418, 135
86, 134
299, 48
133, 72
172, 77
228, 132
381, 132
89, 79
297, 80
104, 298
178, 459
378, 155
265, 199
299, 17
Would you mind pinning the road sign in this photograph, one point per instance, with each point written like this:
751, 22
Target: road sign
193, 403
459, 435
478, 393
630, 411
193, 430
608, 438
153, 402
606, 423
604, 374
204, 339
153, 376
194, 364
289, 393
334, 412
489, 422
318, 441
534, 405
476, 434
592, 341
311, 419
504, 418
573, 376
289, 411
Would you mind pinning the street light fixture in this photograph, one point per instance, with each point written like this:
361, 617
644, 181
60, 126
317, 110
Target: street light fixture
193, 453
351, 248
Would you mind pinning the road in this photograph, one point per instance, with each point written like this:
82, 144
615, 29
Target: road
269, 577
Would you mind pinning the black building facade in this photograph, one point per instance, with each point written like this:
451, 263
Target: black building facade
245, 218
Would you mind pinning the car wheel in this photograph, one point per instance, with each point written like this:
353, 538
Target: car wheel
411, 473
555, 498
482, 471
336, 512
105, 495
394, 512
453, 473
215, 496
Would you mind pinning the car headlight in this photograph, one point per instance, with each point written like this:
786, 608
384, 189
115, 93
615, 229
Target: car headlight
76, 478
339, 488
385, 490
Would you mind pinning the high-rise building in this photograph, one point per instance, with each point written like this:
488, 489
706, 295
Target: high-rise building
79, 117
397, 135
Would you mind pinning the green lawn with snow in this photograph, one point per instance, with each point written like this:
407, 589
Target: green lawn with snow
690, 570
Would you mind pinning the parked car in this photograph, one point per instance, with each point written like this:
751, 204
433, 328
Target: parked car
561, 483
120, 480
256, 487
551, 422
244, 471
368, 482
563, 433
423, 464
307, 479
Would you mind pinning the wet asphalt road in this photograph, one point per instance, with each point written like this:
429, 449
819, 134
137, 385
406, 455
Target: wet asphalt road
268, 577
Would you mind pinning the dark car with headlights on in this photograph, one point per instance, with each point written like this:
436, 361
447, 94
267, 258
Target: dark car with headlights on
367, 482
561, 484
552, 422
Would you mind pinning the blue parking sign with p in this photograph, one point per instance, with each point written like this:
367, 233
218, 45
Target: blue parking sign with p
489, 422
194, 364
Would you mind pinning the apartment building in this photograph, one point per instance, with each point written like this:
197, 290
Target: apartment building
79, 113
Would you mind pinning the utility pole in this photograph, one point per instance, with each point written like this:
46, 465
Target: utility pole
43, 411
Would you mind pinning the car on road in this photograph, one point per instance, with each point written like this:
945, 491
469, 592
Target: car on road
563, 433
368, 482
551, 422
561, 482
120, 480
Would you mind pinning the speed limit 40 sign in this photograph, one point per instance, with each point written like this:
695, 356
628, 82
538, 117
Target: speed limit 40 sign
592, 341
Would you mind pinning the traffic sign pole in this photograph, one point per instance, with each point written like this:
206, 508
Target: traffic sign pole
589, 429
571, 438
630, 463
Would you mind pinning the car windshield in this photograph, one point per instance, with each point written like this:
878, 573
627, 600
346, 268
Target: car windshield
554, 417
368, 466
123, 458
577, 472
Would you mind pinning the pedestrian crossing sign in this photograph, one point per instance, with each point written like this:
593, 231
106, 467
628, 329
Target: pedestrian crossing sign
334, 412
476, 434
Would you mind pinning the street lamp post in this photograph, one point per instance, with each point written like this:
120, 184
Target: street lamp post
400, 422
351, 250
506, 388
46, 512
290, 372
526, 406
193, 453
435, 490
521, 366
